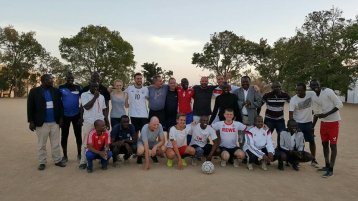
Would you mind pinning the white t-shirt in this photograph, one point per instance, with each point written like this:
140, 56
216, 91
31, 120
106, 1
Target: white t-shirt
96, 112
302, 107
200, 136
179, 136
326, 101
137, 100
229, 133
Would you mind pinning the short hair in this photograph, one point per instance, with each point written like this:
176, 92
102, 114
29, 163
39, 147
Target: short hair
246, 77
258, 116
137, 74
181, 115
290, 121
118, 80
155, 78
171, 78
301, 84
124, 117
44, 76
229, 110
96, 122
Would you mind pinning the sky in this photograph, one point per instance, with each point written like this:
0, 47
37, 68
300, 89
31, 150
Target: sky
163, 31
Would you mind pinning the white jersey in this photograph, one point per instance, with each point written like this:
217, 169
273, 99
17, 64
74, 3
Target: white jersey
96, 112
229, 133
137, 100
302, 107
256, 139
200, 136
326, 101
179, 136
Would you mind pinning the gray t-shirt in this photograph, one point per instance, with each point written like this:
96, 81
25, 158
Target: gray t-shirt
117, 106
146, 135
157, 97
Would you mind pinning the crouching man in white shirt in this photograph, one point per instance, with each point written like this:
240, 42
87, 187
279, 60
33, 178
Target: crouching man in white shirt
258, 145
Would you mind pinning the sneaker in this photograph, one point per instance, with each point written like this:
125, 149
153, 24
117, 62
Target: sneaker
41, 167
155, 159
60, 164
65, 159
184, 162
139, 160
116, 164
295, 167
89, 170
223, 163
323, 169
236, 163
264, 166
126, 157
327, 174
82, 166
193, 161
249, 166
280, 165
170, 163
314, 163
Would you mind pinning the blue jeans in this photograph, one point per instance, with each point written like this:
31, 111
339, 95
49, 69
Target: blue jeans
92, 156
278, 124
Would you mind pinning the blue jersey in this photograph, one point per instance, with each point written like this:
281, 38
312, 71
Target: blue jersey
70, 99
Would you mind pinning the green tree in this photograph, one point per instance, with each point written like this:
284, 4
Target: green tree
20, 53
96, 48
152, 69
225, 53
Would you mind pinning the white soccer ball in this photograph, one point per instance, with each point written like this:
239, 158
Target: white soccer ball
208, 167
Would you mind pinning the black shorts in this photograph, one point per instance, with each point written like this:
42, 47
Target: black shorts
230, 150
206, 148
138, 123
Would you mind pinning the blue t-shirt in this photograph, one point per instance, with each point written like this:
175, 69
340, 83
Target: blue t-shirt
50, 113
70, 100
118, 133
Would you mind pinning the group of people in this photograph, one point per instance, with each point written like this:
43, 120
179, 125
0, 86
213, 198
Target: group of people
233, 130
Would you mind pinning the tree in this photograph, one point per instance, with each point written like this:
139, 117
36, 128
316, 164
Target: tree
225, 53
96, 48
152, 69
19, 54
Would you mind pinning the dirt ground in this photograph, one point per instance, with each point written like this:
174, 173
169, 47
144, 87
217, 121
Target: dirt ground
20, 179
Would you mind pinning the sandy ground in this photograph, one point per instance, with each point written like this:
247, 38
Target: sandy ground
20, 179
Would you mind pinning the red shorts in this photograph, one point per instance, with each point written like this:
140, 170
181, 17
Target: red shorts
329, 131
182, 150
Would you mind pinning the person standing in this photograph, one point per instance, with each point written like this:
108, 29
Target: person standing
248, 100
157, 95
275, 102
171, 105
117, 102
136, 102
202, 99
44, 114
94, 108
70, 100
300, 109
329, 105
185, 95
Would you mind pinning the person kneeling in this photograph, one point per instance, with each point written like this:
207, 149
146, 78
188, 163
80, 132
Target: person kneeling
291, 149
98, 146
200, 140
177, 146
258, 145
124, 140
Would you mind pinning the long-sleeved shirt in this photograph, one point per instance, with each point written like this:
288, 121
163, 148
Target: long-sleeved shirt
256, 139
295, 142
225, 101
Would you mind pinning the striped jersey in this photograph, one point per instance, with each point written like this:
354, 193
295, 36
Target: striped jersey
275, 104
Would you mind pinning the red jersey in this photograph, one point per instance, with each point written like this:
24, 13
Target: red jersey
184, 99
98, 141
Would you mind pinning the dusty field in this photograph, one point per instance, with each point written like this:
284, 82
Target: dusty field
20, 179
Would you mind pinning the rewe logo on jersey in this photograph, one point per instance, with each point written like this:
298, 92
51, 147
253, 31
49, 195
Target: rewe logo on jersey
233, 130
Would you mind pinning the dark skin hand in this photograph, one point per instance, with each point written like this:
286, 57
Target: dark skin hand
32, 126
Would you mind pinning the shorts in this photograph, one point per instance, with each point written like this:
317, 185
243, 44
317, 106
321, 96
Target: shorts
150, 144
230, 150
206, 149
329, 131
182, 150
138, 122
306, 129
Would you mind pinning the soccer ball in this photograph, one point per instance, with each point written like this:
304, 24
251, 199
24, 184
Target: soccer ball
208, 167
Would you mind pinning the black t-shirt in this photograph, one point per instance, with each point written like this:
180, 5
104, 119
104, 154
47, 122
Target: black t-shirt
102, 90
202, 100
225, 101
171, 103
